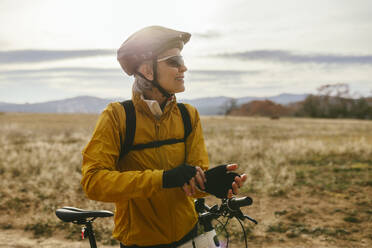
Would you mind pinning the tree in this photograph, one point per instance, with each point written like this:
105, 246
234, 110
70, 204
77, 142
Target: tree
335, 101
229, 106
311, 107
361, 109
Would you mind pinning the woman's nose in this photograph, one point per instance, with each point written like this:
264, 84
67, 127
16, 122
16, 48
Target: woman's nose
182, 68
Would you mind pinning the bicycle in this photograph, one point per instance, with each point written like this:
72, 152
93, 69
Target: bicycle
229, 208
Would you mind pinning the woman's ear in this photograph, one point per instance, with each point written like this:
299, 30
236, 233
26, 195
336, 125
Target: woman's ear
146, 69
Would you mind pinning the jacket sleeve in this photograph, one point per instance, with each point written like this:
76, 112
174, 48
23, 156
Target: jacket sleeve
101, 180
196, 152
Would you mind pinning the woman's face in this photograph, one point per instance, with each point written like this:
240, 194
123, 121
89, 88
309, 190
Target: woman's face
170, 76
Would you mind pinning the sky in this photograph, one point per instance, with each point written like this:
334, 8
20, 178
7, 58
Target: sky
51, 49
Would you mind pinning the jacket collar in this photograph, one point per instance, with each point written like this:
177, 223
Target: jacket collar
152, 106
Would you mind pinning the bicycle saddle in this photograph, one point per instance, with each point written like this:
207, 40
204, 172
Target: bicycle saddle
71, 214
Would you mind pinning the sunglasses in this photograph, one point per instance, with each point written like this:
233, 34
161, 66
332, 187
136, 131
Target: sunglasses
173, 61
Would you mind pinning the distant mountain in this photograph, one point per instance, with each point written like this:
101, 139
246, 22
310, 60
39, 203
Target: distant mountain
81, 104
89, 104
281, 99
209, 105
3, 103
215, 105
287, 98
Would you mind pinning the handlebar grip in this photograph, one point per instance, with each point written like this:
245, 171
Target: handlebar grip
236, 203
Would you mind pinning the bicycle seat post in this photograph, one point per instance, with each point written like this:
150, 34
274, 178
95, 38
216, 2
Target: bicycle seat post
83, 217
90, 233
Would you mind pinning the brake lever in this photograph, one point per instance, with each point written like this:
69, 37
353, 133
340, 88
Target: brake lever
239, 214
234, 214
250, 219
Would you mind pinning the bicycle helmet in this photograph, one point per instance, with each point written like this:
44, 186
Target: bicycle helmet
147, 44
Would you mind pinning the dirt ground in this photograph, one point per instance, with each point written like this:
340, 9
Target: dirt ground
302, 220
21, 239
310, 218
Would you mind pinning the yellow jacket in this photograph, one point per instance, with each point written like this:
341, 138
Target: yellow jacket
146, 214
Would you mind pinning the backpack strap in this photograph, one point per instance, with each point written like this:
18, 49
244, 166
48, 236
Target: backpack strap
130, 128
186, 120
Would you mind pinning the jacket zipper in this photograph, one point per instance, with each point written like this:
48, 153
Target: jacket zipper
161, 160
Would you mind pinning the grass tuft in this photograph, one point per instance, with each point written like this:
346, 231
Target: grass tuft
352, 219
40, 229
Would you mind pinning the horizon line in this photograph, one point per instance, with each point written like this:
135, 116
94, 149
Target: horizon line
117, 97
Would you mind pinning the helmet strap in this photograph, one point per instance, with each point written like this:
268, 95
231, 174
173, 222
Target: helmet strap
155, 80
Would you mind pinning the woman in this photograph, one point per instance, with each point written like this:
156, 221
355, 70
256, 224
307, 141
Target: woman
152, 182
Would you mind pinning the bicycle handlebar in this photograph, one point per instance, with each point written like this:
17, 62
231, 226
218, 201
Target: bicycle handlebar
236, 203
228, 208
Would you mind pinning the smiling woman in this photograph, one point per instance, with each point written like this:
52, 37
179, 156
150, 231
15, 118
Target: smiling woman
153, 174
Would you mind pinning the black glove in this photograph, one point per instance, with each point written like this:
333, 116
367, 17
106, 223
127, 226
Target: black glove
219, 181
178, 176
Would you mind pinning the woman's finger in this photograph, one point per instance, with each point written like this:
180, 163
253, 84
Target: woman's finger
238, 181
243, 178
199, 180
231, 167
192, 185
229, 194
200, 170
235, 188
186, 188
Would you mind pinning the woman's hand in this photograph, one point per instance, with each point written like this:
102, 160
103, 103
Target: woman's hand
199, 179
196, 182
239, 181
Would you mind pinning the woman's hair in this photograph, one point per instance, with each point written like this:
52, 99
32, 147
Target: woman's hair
141, 85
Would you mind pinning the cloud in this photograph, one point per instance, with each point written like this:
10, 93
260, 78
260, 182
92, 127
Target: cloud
35, 56
94, 79
223, 72
95, 71
3, 43
219, 76
298, 58
75, 70
210, 34
55, 83
66, 76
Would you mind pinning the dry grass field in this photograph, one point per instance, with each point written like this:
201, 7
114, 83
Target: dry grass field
310, 180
